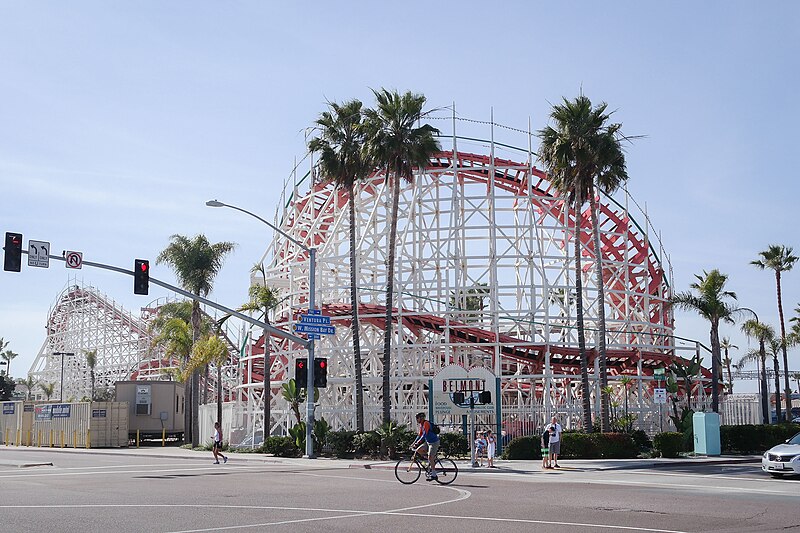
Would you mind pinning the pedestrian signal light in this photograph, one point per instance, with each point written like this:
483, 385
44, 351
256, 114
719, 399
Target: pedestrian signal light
12, 259
141, 276
301, 373
458, 398
320, 372
485, 397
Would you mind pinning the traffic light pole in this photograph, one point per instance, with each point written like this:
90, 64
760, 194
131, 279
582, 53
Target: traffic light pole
275, 331
312, 267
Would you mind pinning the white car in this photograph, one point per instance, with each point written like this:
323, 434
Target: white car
783, 458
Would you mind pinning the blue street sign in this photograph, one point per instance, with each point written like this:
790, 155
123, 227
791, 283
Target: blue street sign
310, 328
314, 337
314, 311
315, 319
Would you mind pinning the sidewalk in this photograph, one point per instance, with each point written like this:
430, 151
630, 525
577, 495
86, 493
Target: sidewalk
517, 467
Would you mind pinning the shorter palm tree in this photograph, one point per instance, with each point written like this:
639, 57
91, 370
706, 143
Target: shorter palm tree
91, 362
763, 333
727, 345
28, 384
48, 389
8, 356
211, 350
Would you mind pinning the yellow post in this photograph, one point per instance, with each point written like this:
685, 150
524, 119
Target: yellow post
51, 438
30, 439
163, 437
39, 439
137, 438
75, 439
19, 437
62, 438
6, 439
88, 438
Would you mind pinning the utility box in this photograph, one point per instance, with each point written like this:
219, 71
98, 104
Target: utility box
156, 407
706, 433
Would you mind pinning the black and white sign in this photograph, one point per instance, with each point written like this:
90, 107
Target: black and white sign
73, 259
39, 254
8, 408
660, 395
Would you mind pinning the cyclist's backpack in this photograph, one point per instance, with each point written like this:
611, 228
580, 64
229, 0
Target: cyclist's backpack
435, 428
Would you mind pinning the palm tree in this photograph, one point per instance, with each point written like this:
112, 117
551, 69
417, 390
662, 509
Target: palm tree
262, 300
196, 263
28, 384
726, 345
397, 143
8, 356
762, 333
345, 161
210, 350
91, 362
47, 389
779, 258
585, 146
775, 350
712, 302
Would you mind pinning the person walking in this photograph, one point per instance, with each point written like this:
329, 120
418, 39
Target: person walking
491, 447
545, 444
555, 441
217, 447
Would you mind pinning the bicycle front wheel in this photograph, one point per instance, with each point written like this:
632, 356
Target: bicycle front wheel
407, 471
446, 470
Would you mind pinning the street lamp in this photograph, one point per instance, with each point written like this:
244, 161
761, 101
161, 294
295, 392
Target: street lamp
312, 265
61, 388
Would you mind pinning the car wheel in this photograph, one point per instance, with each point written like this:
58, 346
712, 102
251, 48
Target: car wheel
776, 475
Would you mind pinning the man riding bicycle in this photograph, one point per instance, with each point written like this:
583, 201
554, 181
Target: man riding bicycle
427, 441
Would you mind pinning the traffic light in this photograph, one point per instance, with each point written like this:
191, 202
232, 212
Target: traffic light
12, 260
141, 276
485, 397
320, 372
458, 398
301, 373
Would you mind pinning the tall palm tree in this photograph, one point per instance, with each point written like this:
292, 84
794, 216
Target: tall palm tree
711, 301
727, 345
91, 362
196, 263
763, 333
345, 161
211, 350
774, 349
568, 157
779, 258
8, 356
262, 300
397, 143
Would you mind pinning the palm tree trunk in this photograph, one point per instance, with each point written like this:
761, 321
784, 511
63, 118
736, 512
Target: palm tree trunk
585, 392
776, 366
267, 394
762, 355
355, 325
715, 364
605, 425
195, 378
219, 393
783, 348
387, 338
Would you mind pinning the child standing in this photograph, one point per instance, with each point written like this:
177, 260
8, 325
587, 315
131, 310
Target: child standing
545, 443
491, 446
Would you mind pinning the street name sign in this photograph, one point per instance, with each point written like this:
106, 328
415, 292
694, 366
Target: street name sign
312, 328
315, 319
39, 254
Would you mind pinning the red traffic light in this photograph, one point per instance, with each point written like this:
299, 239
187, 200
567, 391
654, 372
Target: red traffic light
144, 267
322, 364
301, 364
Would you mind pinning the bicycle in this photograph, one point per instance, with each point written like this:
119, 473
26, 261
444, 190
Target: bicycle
408, 469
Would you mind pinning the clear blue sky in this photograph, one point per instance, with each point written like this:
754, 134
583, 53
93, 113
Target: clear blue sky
119, 120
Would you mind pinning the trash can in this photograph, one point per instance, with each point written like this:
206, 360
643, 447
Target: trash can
706, 433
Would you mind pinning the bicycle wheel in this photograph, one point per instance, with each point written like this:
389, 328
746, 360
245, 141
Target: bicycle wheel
446, 470
407, 471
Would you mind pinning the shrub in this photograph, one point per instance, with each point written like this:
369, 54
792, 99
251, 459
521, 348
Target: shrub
642, 440
579, 446
668, 444
615, 445
341, 443
280, 447
522, 448
453, 444
368, 443
749, 438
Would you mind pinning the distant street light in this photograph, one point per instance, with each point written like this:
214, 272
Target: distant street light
61, 387
312, 265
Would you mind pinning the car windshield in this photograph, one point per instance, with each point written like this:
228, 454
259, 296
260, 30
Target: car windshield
795, 439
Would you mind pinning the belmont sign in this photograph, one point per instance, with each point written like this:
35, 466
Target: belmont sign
456, 378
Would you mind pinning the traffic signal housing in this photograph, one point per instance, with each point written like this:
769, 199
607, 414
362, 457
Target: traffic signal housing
485, 397
12, 259
320, 372
141, 276
458, 398
301, 373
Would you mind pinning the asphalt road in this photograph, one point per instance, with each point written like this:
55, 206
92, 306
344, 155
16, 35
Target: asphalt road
127, 493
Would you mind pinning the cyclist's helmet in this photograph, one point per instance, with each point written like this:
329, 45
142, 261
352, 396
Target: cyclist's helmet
420, 416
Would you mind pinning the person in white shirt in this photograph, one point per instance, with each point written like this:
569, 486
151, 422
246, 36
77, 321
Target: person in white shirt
555, 441
217, 449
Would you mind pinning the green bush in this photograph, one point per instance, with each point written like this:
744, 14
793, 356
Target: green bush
615, 445
453, 444
642, 440
579, 446
668, 444
368, 443
341, 443
281, 447
749, 438
521, 448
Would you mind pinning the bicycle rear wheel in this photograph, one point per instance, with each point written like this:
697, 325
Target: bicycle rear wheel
446, 470
407, 471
